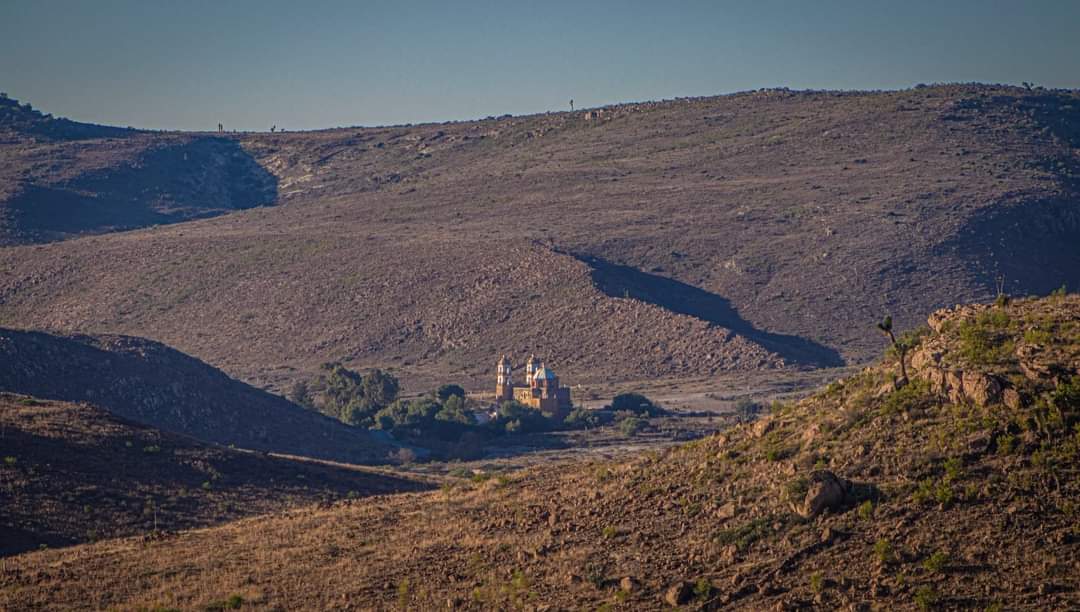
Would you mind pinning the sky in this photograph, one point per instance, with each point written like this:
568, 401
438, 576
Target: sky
316, 64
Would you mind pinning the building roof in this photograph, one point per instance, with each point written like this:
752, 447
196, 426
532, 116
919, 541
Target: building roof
543, 374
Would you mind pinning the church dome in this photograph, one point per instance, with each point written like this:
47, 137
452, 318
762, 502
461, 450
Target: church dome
543, 374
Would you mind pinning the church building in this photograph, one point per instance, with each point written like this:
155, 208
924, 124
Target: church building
540, 392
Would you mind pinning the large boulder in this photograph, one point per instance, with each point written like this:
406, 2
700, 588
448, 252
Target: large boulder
982, 389
827, 491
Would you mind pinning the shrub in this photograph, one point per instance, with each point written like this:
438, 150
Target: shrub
817, 582
746, 409
883, 550
984, 340
635, 403
866, 510
925, 598
631, 426
795, 490
954, 469
936, 562
703, 589
583, 418
447, 391
915, 395
515, 417
1035, 335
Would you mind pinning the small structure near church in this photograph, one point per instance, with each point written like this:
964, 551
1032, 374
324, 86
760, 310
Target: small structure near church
540, 392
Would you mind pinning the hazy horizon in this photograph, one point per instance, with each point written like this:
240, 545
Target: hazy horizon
254, 65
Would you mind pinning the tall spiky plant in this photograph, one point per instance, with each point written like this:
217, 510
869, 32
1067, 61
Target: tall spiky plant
901, 347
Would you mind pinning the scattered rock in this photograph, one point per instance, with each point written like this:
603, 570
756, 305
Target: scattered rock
763, 426
826, 492
982, 389
628, 584
1012, 399
679, 594
728, 510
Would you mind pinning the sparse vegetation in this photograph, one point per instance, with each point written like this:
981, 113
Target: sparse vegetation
915, 464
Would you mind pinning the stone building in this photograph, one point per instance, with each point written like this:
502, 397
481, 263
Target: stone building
541, 390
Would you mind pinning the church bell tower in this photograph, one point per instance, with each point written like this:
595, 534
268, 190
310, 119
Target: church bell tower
504, 384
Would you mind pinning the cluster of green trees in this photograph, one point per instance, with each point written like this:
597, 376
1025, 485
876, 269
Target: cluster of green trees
343, 394
629, 411
443, 416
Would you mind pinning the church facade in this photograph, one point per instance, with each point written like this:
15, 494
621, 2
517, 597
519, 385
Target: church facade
541, 390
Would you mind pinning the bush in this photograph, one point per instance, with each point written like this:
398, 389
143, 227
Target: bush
746, 409
445, 392
637, 404
883, 550
583, 418
936, 562
925, 598
631, 426
984, 340
516, 418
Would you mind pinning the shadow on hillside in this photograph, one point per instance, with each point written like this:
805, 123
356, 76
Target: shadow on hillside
624, 281
204, 177
89, 473
149, 383
1034, 246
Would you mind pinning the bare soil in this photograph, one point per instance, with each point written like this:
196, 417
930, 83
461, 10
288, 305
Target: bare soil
673, 239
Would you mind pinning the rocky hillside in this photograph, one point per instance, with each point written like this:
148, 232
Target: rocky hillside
788, 221
149, 383
60, 178
74, 473
958, 489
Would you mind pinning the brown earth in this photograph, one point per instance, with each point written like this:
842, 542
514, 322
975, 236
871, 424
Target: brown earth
75, 473
868, 495
152, 384
664, 239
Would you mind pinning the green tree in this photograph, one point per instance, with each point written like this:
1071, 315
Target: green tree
635, 403
380, 388
445, 392
453, 411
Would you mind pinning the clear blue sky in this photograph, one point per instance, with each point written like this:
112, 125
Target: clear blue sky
191, 64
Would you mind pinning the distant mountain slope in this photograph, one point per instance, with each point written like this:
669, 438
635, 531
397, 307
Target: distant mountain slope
152, 384
791, 220
74, 473
60, 178
958, 490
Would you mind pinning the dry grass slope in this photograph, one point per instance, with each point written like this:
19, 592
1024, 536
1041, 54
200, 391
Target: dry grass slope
963, 493
74, 473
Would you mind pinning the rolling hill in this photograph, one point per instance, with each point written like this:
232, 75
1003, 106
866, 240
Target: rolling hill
149, 383
957, 490
75, 473
663, 239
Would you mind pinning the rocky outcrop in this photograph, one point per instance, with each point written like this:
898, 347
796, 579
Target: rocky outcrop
827, 491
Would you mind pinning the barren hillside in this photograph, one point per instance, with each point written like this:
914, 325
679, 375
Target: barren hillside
75, 473
788, 221
152, 384
957, 490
